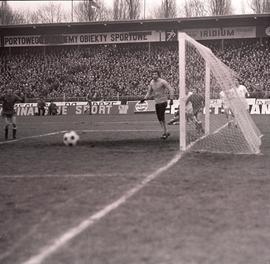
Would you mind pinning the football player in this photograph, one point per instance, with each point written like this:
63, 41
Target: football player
196, 104
158, 88
8, 112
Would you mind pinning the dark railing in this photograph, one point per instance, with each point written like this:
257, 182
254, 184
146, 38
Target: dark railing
84, 99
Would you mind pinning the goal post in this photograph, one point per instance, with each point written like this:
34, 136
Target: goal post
227, 127
182, 91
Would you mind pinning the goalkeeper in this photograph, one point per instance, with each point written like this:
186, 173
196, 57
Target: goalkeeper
159, 88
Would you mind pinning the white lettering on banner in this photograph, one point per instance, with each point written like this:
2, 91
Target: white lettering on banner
222, 33
71, 39
126, 37
81, 109
93, 38
81, 39
255, 110
25, 104
24, 111
64, 110
72, 103
23, 41
106, 102
257, 107
31, 111
101, 109
265, 109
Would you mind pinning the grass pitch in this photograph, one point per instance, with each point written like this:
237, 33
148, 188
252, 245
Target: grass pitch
206, 208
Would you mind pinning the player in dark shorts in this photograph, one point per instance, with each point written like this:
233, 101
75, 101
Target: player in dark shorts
194, 107
8, 112
159, 89
196, 101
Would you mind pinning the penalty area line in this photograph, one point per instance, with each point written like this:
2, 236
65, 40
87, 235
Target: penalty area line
62, 240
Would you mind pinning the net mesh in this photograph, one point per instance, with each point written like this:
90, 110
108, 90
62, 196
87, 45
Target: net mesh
228, 128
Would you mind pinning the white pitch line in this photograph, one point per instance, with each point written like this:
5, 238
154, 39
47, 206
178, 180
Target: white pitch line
87, 175
30, 137
59, 242
83, 131
125, 122
118, 130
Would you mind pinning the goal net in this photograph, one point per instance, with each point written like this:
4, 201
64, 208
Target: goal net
224, 125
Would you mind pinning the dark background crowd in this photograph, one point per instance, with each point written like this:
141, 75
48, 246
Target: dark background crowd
122, 70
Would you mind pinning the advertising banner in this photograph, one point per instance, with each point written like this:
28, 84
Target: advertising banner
263, 31
82, 39
221, 33
256, 107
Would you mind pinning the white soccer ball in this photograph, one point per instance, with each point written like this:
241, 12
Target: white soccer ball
71, 138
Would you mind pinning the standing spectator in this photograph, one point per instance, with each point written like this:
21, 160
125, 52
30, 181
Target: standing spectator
91, 96
52, 109
8, 112
159, 88
258, 93
41, 106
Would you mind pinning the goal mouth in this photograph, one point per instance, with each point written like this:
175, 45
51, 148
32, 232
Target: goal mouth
226, 140
210, 88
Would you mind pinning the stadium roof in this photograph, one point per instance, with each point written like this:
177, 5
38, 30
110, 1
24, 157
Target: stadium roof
147, 24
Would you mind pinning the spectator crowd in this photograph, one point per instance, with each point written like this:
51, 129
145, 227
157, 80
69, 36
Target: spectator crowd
123, 69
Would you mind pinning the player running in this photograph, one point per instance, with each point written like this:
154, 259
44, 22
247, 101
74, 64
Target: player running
159, 88
8, 112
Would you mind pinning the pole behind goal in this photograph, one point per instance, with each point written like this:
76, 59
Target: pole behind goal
201, 71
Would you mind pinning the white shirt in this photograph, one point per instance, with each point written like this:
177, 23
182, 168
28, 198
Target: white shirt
242, 91
224, 99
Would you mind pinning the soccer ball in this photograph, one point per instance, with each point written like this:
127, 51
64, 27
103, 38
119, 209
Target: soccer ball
71, 138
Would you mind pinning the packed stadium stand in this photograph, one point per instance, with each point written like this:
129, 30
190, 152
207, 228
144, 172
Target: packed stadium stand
123, 70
